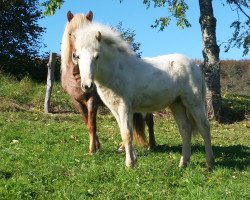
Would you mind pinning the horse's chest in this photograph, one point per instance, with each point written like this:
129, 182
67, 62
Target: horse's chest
108, 96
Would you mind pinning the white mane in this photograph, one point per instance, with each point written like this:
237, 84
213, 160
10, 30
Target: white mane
65, 49
85, 37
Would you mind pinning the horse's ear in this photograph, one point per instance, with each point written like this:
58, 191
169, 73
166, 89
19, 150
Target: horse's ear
98, 36
70, 16
89, 16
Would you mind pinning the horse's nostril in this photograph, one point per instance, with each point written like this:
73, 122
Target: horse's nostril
86, 87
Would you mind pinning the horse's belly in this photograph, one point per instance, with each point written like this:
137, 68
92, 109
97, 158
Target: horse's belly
153, 102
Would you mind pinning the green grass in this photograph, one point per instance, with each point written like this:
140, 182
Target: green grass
43, 156
28, 95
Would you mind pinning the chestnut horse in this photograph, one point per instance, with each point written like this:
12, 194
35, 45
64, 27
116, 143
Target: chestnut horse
87, 104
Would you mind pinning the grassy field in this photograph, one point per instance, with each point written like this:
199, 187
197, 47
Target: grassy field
43, 156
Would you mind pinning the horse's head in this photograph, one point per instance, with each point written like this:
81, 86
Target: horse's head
98, 49
86, 56
73, 22
77, 21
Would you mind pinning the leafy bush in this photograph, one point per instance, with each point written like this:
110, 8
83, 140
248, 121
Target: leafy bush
235, 107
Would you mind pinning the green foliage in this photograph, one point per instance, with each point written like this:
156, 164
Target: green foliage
51, 6
176, 8
235, 76
36, 68
235, 107
235, 72
20, 37
241, 26
20, 33
129, 36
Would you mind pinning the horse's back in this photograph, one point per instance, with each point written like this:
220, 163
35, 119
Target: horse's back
177, 76
186, 73
169, 57
166, 62
177, 64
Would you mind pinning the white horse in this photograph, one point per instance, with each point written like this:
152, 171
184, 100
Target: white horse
128, 84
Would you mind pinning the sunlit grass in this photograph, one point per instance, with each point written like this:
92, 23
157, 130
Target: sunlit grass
44, 156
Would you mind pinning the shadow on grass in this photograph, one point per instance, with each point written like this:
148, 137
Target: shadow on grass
236, 156
234, 108
230, 116
5, 175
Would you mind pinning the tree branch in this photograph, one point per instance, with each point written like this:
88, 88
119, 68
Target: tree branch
235, 2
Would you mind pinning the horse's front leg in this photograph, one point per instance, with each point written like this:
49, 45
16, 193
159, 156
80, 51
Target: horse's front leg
126, 128
92, 105
89, 118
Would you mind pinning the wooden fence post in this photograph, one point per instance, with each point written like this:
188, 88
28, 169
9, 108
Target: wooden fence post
50, 81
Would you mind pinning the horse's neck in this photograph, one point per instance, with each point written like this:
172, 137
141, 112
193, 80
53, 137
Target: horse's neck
70, 69
115, 73
70, 77
103, 76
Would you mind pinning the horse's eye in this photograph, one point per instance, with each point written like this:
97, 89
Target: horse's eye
75, 56
96, 56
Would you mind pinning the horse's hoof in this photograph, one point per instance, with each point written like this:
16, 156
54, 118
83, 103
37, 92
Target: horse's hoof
183, 163
210, 164
121, 149
151, 148
98, 146
91, 152
130, 165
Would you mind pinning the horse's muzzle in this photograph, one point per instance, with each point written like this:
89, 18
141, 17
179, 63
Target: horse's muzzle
87, 88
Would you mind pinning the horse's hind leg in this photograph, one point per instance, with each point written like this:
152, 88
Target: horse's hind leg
185, 129
150, 123
201, 122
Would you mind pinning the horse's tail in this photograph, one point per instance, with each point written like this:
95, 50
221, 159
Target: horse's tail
139, 129
194, 127
204, 88
203, 99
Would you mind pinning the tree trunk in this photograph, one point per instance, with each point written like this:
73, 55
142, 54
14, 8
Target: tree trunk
211, 65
